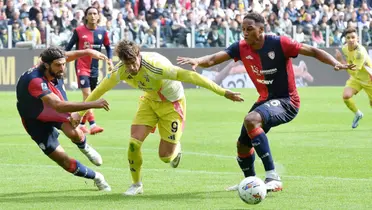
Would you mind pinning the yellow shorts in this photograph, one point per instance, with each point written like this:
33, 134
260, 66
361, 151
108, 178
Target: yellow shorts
359, 85
169, 116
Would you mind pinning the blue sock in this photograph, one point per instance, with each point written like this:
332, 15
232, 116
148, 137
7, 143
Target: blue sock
261, 145
246, 163
82, 144
79, 169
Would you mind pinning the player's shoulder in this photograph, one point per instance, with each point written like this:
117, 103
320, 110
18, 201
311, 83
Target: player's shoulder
101, 29
80, 28
271, 37
361, 48
154, 59
32, 73
274, 40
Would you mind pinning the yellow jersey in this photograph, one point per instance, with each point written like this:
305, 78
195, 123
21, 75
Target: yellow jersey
157, 77
359, 56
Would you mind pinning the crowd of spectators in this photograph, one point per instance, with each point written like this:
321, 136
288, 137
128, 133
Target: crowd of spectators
138, 20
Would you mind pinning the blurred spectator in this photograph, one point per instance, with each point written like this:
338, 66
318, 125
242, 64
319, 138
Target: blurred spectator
317, 37
17, 34
36, 8
201, 38
214, 20
3, 37
149, 40
33, 34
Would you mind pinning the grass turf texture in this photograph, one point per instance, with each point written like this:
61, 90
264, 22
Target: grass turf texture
323, 162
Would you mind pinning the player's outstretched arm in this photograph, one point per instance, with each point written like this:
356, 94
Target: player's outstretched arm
205, 61
199, 80
324, 57
339, 56
109, 82
60, 106
73, 55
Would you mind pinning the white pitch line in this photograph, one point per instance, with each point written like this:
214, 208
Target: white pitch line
125, 148
196, 172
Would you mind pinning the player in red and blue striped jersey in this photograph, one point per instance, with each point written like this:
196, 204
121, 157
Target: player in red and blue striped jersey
267, 60
43, 107
89, 36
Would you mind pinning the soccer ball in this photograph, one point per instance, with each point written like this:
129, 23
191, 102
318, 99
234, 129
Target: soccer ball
252, 190
73, 86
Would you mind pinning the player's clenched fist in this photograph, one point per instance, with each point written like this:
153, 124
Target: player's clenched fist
234, 96
101, 103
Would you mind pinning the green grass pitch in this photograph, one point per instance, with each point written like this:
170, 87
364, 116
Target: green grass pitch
324, 164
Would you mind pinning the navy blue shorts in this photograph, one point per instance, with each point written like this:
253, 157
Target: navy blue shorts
44, 134
273, 113
87, 81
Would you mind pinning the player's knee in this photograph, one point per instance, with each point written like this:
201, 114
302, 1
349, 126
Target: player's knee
252, 120
76, 135
347, 96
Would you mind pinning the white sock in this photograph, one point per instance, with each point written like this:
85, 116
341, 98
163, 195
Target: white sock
359, 112
93, 125
138, 184
272, 174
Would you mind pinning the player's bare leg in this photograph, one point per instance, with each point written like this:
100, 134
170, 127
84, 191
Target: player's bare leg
138, 135
349, 102
94, 128
75, 167
78, 137
170, 153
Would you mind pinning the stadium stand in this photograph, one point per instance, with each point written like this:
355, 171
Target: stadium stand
183, 23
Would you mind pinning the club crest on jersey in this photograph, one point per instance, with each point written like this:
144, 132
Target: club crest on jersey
44, 86
271, 55
99, 36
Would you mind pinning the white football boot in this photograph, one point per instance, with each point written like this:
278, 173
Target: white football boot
176, 161
273, 182
135, 189
232, 188
92, 155
101, 183
358, 116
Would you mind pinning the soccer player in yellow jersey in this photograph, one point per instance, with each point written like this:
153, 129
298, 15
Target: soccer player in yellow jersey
355, 53
163, 103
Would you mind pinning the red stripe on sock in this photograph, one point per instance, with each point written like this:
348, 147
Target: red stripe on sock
84, 120
250, 153
255, 132
72, 167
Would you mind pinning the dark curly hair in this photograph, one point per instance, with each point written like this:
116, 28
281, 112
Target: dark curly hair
49, 55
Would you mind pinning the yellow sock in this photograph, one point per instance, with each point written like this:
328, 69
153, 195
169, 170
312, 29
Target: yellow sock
351, 105
135, 159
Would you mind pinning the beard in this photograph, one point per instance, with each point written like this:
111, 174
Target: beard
57, 75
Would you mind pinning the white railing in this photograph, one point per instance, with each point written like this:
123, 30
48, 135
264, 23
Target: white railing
190, 37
